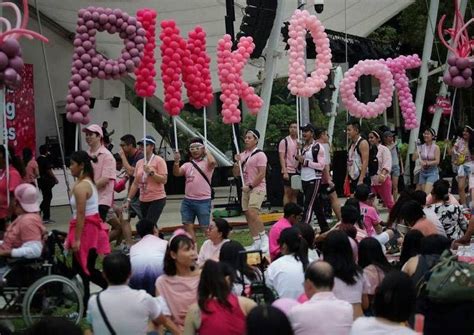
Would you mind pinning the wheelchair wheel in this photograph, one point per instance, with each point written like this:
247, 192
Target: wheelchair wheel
52, 296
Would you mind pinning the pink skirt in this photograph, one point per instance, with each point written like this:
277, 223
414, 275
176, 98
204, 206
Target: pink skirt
95, 235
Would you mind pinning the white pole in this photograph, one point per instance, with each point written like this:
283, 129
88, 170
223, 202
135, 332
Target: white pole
236, 143
443, 90
76, 140
334, 102
450, 119
144, 128
423, 78
298, 116
204, 111
175, 135
5, 143
271, 56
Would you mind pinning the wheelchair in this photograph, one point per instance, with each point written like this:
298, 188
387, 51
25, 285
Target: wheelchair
32, 289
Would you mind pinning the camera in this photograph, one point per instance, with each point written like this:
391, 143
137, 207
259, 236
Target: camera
319, 6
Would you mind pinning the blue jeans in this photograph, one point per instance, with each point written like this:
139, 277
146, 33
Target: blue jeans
429, 175
190, 209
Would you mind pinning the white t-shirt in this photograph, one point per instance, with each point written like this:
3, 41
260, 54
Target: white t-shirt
127, 310
286, 276
373, 326
431, 216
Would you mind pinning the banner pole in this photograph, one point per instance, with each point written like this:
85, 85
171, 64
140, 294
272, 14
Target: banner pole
236, 143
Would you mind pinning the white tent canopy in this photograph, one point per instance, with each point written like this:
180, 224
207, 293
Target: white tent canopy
357, 17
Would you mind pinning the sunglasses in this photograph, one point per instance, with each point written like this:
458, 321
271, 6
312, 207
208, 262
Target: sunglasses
196, 148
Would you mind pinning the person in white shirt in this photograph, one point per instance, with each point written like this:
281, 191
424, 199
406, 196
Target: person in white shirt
217, 233
286, 274
147, 257
394, 302
323, 314
128, 311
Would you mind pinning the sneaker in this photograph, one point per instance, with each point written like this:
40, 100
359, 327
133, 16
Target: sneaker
256, 245
264, 243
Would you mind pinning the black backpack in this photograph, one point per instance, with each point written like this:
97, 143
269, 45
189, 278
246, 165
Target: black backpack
373, 161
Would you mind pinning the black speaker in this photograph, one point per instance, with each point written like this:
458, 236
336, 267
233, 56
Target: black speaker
339, 170
115, 102
257, 23
92, 103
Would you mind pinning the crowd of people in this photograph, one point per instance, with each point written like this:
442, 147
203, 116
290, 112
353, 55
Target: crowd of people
344, 278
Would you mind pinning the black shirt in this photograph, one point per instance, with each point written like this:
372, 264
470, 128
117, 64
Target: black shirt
44, 165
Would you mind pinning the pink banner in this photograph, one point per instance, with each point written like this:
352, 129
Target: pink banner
20, 109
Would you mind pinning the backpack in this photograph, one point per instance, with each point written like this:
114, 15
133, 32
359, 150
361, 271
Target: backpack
373, 161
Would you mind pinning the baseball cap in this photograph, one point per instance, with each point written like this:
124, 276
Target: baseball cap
94, 128
147, 139
362, 192
388, 133
27, 196
307, 127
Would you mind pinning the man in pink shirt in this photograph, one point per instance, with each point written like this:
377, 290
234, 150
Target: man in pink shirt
104, 169
287, 150
198, 190
292, 213
323, 313
381, 181
254, 167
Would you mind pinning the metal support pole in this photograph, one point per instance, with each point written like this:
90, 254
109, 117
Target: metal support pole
423, 79
443, 90
271, 56
334, 102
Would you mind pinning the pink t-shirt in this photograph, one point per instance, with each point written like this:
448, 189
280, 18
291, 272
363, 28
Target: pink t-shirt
251, 168
196, 187
31, 171
371, 218
374, 276
274, 235
27, 227
105, 167
150, 190
290, 148
14, 181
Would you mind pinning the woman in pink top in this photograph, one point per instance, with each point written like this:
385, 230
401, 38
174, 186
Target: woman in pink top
15, 173
413, 216
32, 169
218, 310
177, 288
254, 166
198, 190
151, 175
217, 233
382, 182
429, 155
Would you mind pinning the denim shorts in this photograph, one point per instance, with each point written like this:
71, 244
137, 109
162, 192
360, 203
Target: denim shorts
428, 175
464, 170
395, 171
192, 209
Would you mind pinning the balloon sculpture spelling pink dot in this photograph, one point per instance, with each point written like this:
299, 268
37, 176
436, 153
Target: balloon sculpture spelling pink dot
398, 67
348, 85
88, 63
11, 62
145, 84
230, 66
459, 74
298, 84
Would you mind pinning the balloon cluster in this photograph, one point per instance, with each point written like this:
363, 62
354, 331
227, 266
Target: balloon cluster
88, 63
348, 85
298, 83
230, 66
397, 67
196, 69
459, 73
172, 52
145, 84
11, 62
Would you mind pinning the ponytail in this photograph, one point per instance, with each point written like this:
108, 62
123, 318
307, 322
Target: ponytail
82, 157
296, 245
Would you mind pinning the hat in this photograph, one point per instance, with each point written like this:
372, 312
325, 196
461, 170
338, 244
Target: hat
148, 139
388, 133
94, 128
27, 196
254, 132
349, 214
362, 192
307, 127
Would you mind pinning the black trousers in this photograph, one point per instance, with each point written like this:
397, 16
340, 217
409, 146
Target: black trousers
45, 205
94, 276
312, 203
152, 210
